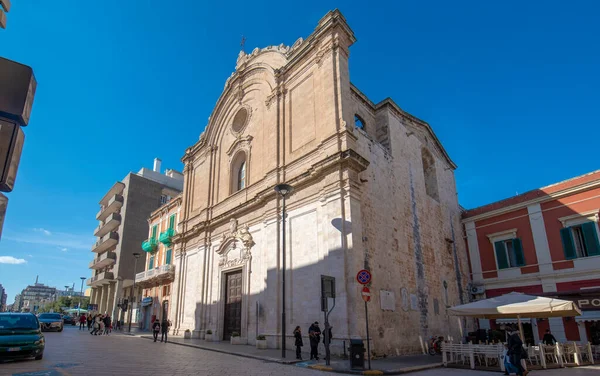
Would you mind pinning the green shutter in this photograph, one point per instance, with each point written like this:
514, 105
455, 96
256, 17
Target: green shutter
518, 252
590, 237
154, 229
501, 255
151, 263
172, 221
568, 245
168, 258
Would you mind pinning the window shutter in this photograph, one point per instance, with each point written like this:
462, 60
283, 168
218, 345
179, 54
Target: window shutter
151, 263
568, 245
172, 221
501, 255
154, 232
518, 252
168, 258
591, 238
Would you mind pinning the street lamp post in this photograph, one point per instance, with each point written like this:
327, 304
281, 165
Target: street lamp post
137, 256
80, 297
283, 190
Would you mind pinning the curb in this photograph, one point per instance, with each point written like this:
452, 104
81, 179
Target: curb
377, 372
244, 355
317, 367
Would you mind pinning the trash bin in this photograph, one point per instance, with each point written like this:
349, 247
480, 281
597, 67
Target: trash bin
357, 354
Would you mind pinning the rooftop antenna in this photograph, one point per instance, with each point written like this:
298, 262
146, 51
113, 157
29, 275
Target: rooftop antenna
36, 279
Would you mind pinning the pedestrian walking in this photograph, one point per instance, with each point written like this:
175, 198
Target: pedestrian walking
298, 342
95, 325
164, 329
100, 325
107, 323
314, 336
517, 353
89, 321
82, 321
155, 329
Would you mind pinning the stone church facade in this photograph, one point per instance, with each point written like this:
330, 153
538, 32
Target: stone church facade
374, 189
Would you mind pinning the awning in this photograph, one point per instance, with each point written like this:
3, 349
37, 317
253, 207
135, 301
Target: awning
517, 304
513, 321
588, 316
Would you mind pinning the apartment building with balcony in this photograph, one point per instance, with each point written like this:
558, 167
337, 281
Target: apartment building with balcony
123, 225
159, 272
543, 242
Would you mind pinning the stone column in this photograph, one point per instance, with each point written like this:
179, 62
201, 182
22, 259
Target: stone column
99, 294
118, 295
110, 301
583, 338
103, 306
93, 296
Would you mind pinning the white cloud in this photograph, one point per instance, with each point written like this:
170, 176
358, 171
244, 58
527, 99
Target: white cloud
43, 230
11, 260
58, 239
31, 256
63, 249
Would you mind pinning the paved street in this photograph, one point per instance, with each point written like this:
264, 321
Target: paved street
72, 353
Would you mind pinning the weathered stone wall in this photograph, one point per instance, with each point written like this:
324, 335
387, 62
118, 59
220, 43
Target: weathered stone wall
410, 239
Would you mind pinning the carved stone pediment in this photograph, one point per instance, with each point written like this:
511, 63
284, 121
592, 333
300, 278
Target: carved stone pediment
240, 143
235, 246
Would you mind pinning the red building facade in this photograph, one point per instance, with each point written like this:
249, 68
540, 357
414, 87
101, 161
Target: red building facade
543, 242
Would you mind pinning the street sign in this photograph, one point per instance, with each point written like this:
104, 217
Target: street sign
366, 294
363, 277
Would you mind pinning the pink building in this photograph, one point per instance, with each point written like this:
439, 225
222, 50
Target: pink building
542, 242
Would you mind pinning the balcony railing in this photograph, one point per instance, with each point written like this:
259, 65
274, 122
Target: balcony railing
112, 206
166, 237
100, 279
106, 242
103, 260
111, 223
163, 273
150, 245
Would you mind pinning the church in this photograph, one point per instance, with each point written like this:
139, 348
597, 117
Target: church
373, 188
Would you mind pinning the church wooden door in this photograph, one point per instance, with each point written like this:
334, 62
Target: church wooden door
233, 304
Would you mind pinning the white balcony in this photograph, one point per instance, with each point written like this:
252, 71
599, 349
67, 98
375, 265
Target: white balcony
154, 277
103, 260
106, 242
111, 223
100, 279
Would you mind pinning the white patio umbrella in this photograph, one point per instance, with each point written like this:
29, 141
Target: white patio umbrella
517, 305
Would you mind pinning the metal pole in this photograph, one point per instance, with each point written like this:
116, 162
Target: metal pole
132, 292
80, 297
283, 287
368, 344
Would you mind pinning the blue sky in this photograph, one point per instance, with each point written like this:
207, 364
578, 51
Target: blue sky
510, 89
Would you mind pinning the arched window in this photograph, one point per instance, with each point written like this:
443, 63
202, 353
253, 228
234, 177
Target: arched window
239, 172
241, 177
359, 122
430, 174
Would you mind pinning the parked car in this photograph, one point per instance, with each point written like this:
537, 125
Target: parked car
68, 319
20, 336
51, 321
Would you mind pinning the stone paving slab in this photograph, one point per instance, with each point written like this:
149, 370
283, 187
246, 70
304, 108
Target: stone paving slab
387, 366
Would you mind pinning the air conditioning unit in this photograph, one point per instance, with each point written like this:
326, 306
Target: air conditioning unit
476, 290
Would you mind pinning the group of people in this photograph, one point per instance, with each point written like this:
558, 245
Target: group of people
161, 327
96, 324
314, 337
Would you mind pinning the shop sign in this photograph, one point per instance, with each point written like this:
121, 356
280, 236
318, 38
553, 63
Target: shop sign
147, 301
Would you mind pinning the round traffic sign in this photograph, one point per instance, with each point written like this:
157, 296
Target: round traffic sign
366, 294
363, 277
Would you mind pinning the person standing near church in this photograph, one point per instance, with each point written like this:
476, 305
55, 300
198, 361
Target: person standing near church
155, 329
298, 343
314, 336
164, 329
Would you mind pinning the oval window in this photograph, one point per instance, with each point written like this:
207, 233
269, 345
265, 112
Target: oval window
239, 121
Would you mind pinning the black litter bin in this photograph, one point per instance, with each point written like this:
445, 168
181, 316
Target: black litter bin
357, 354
